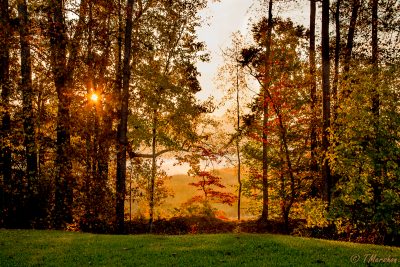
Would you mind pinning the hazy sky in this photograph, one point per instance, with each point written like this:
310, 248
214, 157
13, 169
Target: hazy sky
222, 19
226, 17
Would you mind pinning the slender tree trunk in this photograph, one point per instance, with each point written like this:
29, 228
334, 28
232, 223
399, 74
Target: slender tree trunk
287, 205
123, 121
285, 149
313, 95
130, 192
5, 133
326, 112
96, 106
153, 169
350, 44
286, 220
104, 146
95, 154
238, 142
88, 162
267, 80
335, 97
27, 110
117, 88
89, 175
118, 74
105, 121
337, 60
117, 96
282, 193
40, 107
376, 183
374, 57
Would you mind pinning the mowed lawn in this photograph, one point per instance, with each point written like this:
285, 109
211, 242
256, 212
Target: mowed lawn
57, 248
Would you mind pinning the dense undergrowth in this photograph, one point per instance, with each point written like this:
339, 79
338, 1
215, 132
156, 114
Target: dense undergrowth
211, 225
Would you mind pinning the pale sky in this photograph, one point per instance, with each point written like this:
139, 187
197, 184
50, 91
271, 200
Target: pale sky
222, 20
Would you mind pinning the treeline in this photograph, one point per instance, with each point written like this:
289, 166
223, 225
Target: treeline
320, 140
94, 93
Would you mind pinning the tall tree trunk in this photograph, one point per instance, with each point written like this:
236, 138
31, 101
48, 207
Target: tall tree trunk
335, 97
105, 121
287, 204
153, 169
123, 121
337, 60
267, 80
89, 175
118, 73
117, 88
376, 183
63, 72
350, 43
5, 133
104, 145
103, 129
58, 42
284, 149
238, 141
326, 112
313, 96
374, 56
27, 110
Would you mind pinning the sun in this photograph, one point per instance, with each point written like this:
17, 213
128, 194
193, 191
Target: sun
94, 97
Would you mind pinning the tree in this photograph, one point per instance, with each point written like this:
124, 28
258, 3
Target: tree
350, 34
63, 71
374, 54
337, 61
27, 99
201, 161
326, 113
375, 105
233, 73
313, 91
287, 100
63, 176
6, 163
267, 80
123, 120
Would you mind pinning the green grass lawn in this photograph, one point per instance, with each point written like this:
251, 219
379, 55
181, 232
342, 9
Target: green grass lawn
57, 248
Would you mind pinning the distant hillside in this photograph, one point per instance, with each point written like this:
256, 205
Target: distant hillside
184, 192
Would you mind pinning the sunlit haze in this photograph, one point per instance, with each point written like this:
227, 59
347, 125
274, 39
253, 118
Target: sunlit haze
221, 20
94, 97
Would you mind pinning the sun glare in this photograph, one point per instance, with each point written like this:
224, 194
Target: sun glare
94, 97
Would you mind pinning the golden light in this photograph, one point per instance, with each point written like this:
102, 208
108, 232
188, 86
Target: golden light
94, 97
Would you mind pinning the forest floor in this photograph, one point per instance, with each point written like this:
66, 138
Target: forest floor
58, 248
